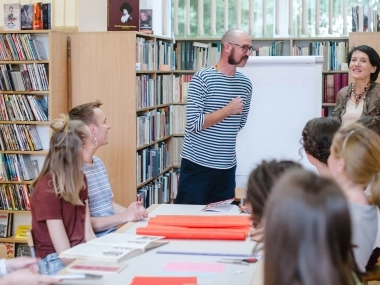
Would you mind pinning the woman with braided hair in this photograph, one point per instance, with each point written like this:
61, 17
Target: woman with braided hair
317, 136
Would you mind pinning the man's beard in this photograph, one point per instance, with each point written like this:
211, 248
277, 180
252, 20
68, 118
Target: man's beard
231, 59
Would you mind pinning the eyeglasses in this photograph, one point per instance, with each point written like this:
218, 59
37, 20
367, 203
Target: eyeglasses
244, 48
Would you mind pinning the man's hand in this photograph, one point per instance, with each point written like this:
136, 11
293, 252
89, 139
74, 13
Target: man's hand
135, 212
235, 106
27, 276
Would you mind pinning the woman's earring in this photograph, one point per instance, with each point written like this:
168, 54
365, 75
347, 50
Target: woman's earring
94, 142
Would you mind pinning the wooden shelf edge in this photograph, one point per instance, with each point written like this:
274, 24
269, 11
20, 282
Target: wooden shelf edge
16, 211
12, 239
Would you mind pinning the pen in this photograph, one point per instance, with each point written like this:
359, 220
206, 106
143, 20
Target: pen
234, 262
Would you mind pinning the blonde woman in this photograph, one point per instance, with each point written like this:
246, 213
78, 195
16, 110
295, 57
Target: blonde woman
60, 216
354, 164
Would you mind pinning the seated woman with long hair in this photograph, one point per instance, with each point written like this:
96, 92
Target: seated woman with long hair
308, 232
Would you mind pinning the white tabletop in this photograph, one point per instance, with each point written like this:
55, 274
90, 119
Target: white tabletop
151, 263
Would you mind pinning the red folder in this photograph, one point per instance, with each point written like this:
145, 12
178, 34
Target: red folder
194, 233
155, 280
200, 221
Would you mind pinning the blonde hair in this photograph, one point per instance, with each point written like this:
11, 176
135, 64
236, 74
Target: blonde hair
360, 149
64, 159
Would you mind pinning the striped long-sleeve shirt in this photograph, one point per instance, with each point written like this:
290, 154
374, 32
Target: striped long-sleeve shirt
210, 90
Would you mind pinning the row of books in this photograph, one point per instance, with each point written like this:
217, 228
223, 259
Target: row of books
154, 56
196, 55
178, 119
165, 55
17, 249
15, 197
181, 88
16, 137
17, 107
36, 16
334, 53
153, 125
21, 47
152, 161
28, 77
156, 192
332, 83
275, 49
177, 149
17, 167
365, 19
153, 91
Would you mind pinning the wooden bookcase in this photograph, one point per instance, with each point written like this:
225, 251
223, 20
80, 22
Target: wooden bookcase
55, 44
103, 66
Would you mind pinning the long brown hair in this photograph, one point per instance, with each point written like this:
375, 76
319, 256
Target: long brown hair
64, 159
307, 232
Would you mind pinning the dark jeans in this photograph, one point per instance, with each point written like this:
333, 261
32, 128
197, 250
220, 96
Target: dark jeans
200, 185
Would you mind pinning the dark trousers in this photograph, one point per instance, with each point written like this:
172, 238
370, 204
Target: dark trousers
200, 185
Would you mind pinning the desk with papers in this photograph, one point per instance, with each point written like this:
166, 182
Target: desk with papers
200, 258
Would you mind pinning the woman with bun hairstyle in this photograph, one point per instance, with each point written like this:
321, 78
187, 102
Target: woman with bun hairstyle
60, 215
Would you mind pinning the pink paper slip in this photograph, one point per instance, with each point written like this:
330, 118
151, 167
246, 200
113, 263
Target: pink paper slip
194, 267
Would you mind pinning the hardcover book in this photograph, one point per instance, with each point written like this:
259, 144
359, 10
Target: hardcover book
146, 20
46, 16
12, 17
23, 249
27, 17
37, 16
4, 224
114, 247
95, 267
123, 15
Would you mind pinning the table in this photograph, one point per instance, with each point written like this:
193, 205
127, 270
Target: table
151, 264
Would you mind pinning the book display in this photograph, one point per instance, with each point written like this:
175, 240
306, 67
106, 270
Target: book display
32, 93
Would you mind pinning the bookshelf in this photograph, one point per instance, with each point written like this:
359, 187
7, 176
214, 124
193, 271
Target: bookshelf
278, 47
31, 77
107, 71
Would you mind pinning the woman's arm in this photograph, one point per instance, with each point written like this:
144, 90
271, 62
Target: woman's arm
88, 231
59, 237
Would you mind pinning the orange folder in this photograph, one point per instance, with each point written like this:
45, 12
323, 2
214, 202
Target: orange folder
155, 280
193, 233
192, 221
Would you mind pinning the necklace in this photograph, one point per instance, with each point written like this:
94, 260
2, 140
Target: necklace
216, 67
360, 95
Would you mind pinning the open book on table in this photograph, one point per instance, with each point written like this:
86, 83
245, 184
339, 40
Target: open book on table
114, 247
224, 206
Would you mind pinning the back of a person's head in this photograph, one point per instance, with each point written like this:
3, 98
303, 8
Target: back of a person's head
317, 136
260, 182
359, 147
371, 122
307, 232
85, 112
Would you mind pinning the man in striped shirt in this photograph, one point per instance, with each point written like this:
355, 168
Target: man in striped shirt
105, 213
217, 109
